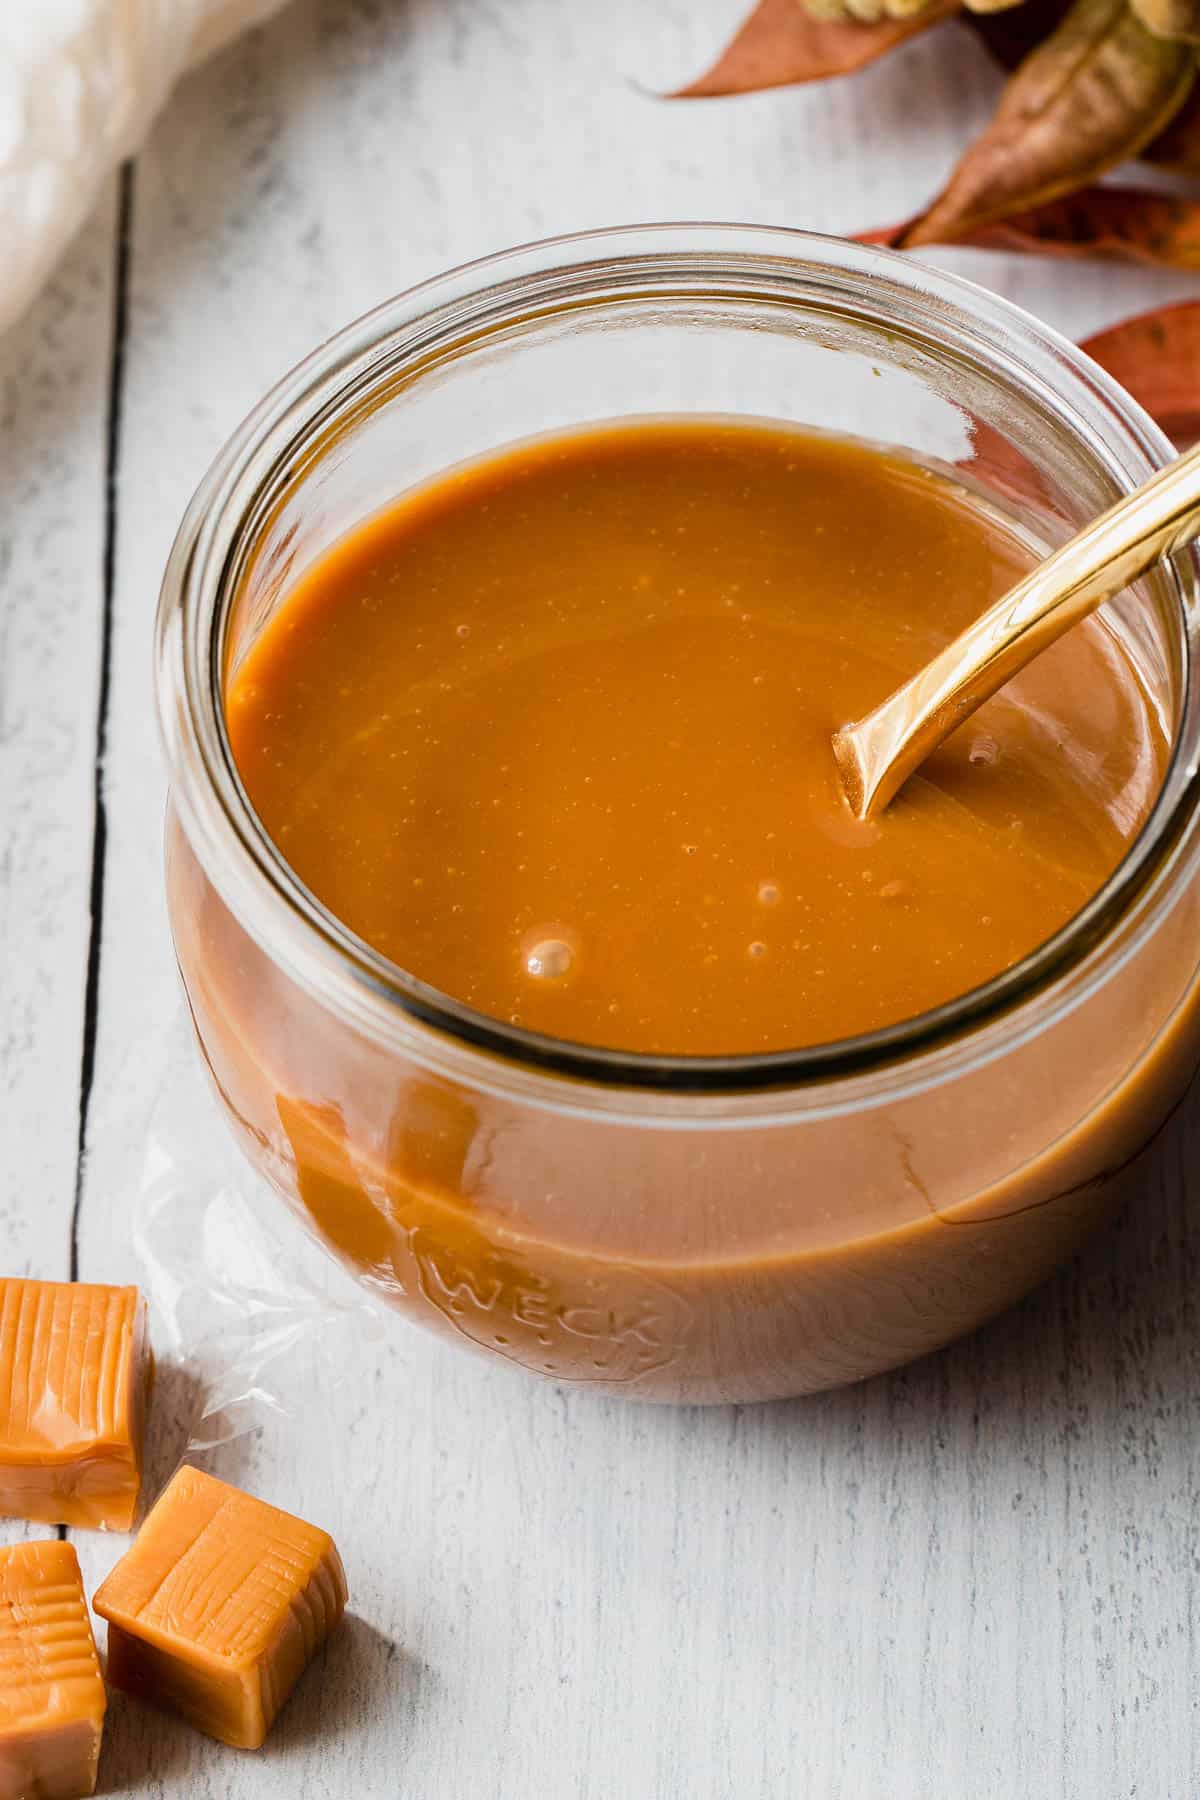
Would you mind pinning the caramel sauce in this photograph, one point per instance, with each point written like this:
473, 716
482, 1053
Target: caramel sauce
552, 733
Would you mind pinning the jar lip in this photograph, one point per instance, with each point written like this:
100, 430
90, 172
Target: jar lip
295, 928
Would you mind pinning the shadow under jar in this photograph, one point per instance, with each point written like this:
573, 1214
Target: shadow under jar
676, 1228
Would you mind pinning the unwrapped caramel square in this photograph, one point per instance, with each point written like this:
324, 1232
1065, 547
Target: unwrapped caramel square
219, 1606
73, 1374
51, 1691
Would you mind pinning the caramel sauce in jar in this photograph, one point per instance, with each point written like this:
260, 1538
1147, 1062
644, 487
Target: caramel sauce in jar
551, 734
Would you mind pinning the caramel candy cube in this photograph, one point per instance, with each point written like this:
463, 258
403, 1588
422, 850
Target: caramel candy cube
51, 1692
218, 1607
73, 1371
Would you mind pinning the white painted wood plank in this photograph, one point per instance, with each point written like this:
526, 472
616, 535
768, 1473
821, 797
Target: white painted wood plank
53, 416
976, 1578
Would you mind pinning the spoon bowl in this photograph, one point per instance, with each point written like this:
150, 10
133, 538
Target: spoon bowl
876, 755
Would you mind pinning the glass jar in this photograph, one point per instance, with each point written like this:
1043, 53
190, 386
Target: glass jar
689, 1229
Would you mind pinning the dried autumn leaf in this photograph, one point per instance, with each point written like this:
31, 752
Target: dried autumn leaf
1178, 147
1125, 224
1093, 94
780, 45
1157, 357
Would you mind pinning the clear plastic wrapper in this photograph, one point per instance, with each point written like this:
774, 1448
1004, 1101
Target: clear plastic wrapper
249, 1317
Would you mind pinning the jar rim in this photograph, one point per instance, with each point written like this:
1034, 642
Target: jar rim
428, 1025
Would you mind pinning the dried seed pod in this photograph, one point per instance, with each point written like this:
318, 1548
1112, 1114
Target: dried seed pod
1176, 19
867, 12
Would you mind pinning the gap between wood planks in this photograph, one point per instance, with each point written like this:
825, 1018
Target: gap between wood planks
120, 324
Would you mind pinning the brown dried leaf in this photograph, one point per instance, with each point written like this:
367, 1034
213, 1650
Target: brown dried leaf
1125, 224
780, 45
1098, 90
1157, 357
1178, 147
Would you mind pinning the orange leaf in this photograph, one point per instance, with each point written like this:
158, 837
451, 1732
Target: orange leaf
1157, 357
1126, 224
1095, 92
780, 45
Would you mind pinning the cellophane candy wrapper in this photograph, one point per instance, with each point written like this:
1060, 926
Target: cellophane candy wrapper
254, 1327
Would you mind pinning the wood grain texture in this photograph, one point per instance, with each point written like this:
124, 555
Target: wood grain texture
978, 1578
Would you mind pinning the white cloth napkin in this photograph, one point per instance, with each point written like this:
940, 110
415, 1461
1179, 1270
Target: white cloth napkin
80, 84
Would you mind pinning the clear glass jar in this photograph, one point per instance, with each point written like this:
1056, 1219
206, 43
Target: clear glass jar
681, 1229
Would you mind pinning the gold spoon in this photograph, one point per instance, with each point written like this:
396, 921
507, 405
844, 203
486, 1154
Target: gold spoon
876, 755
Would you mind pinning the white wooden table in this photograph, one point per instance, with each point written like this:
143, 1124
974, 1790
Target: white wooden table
978, 1579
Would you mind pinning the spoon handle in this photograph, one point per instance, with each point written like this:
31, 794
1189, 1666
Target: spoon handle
876, 755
